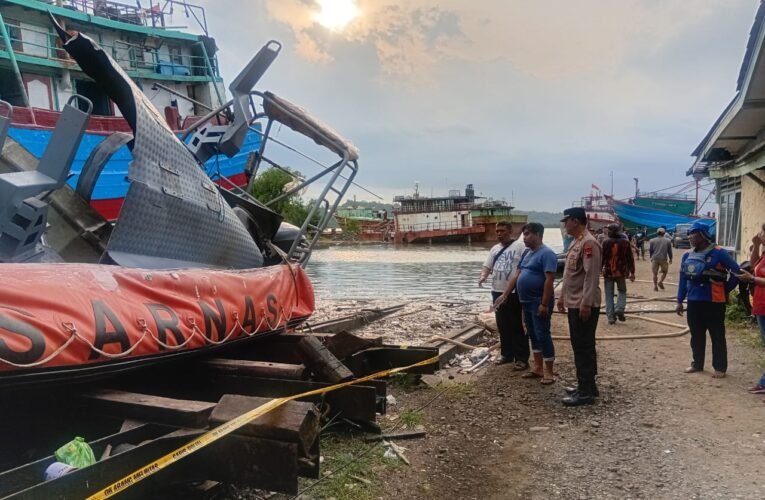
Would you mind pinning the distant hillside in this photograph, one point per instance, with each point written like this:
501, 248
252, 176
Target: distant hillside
547, 219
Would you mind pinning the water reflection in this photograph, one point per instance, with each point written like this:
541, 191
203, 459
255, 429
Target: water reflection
388, 271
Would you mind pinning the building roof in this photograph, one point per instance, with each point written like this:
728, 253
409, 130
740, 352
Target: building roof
737, 130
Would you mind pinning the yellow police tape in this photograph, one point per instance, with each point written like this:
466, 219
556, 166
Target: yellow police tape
230, 427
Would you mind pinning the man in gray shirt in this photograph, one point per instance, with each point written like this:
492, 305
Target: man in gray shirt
660, 250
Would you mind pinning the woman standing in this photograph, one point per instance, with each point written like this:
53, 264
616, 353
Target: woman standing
704, 282
757, 260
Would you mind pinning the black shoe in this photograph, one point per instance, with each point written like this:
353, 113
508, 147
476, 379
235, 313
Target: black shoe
503, 360
621, 317
578, 399
611, 321
520, 366
572, 389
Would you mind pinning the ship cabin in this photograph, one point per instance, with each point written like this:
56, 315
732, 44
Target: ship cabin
177, 70
456, 217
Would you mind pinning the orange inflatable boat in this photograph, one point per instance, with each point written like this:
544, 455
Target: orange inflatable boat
60, 317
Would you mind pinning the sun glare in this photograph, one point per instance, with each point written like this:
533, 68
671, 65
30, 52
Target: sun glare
336, 14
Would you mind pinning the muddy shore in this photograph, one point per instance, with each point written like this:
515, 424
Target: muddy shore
655, 432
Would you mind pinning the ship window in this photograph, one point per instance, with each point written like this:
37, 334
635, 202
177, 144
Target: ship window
14, 32
102, 106
9, 88
176, 56
136, 53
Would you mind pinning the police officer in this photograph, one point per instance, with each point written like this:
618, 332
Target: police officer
580, 294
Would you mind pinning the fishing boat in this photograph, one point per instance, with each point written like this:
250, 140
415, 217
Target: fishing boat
190, 265
176, 70
635, 216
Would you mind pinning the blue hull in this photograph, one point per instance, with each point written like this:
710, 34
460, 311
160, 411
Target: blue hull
112, 185
636, 216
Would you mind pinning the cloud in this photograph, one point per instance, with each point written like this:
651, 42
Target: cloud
545, 39
540, 97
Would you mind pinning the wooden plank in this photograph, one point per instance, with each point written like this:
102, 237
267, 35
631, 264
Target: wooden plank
293, 422
257, 368
260, 463
382, 358
321, 362
354, 402
343, 344
146, 407
354, 321
395, 436
30, 474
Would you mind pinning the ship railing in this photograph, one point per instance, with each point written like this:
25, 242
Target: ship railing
155, 16
337, 177
130, 56
432, 226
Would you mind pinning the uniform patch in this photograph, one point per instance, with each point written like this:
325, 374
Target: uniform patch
588, 251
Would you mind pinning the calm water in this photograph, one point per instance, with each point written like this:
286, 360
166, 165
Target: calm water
388, 271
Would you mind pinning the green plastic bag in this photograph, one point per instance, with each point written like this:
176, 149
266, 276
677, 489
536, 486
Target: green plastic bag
76, 453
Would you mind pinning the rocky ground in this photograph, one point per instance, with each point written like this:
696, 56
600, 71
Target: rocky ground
655, 432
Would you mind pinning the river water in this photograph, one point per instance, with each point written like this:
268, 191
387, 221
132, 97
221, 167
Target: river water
404, 272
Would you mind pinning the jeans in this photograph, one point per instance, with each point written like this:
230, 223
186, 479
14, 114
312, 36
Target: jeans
703, 317
514, 345
621, 300
583, 345
539, 329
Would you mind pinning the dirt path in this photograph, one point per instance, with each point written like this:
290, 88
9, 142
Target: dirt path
655, 433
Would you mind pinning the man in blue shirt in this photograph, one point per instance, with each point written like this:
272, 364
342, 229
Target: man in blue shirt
534, 282
705, 280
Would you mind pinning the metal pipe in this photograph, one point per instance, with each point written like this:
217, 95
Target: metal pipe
14, 63
175, 92
210, 71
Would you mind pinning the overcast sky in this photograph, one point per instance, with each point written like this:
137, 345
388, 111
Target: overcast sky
531, 99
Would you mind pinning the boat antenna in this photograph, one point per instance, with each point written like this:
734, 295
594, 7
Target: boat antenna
612, 183
637, 190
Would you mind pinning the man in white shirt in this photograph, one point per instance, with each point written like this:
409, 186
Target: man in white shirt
501, 263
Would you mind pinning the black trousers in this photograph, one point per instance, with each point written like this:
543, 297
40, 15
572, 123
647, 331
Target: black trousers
703, 317
514, 343
583, 345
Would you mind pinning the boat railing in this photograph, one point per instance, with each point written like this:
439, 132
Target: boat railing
132, 57
155, 16
432, 226
338, 176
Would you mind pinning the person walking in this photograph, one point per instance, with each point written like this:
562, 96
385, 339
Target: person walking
705, 283
534, 280
757, 278
580, 298
640, 235
501, 263
618, 266
660, 253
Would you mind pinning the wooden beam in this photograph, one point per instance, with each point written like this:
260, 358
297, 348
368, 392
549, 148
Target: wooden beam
257, 368
321, 361
355, 402
293, 422
159, 409
343, 344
